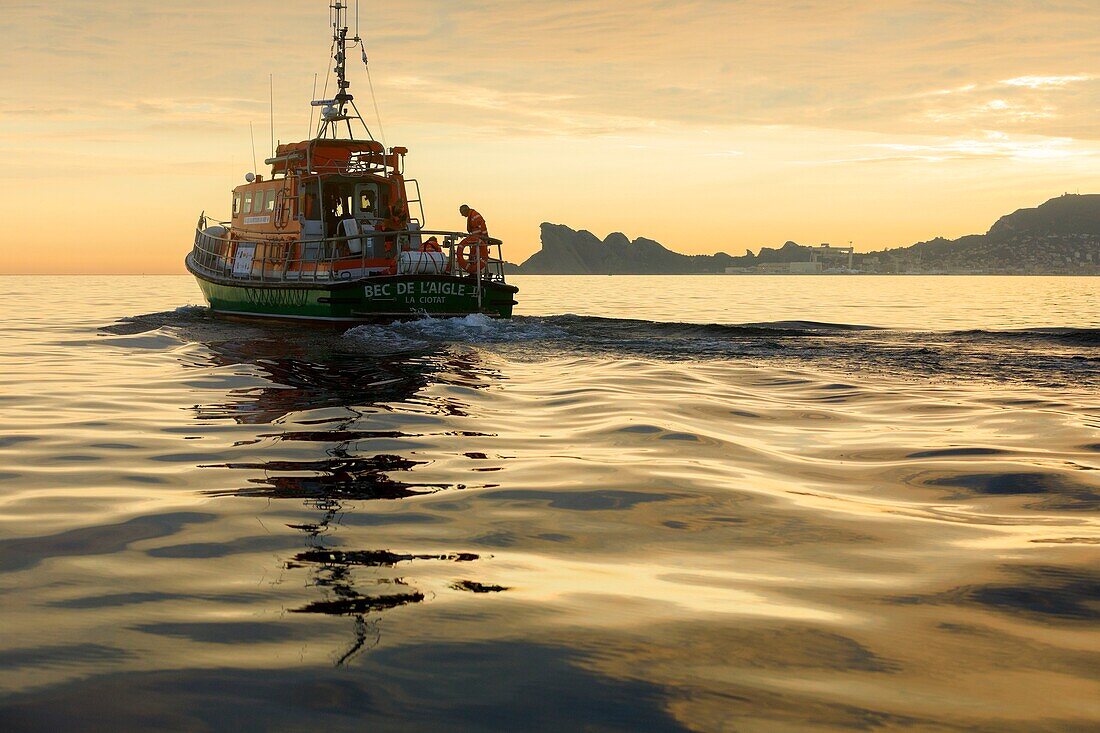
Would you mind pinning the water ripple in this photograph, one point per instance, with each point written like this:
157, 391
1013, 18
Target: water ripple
699, 519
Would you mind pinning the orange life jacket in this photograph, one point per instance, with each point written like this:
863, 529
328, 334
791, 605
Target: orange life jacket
475, 224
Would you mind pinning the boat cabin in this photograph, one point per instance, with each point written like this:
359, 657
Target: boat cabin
332, 234
322, 183
326, 189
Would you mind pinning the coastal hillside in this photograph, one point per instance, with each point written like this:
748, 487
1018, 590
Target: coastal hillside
1061, 236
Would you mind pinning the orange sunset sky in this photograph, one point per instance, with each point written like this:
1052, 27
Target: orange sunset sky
707, 125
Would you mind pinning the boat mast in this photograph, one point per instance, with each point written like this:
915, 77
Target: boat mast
341, 108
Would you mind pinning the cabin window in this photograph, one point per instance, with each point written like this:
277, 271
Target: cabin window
366, 200
270, 205
236, 205
248, 202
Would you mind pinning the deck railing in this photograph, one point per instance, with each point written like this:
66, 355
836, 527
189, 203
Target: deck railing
223, 253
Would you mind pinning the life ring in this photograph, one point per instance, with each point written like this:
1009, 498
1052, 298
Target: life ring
480, 251
431, 244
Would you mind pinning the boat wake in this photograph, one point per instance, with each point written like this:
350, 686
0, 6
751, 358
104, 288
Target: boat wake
1048, 356
472, 329
1055, 357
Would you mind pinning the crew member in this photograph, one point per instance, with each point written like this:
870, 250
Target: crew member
475, 222
396, 221
336, 210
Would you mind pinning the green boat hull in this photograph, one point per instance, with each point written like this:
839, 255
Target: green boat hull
378, 298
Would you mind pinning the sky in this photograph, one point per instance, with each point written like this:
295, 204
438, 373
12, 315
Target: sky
709, 125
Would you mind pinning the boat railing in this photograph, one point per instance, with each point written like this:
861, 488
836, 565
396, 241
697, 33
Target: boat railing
240, 255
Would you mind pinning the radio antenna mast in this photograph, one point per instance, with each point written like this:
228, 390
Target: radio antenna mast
341, 108
252, 134
271, 110
309, 131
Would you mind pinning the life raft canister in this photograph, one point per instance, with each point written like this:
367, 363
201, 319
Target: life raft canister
479, 251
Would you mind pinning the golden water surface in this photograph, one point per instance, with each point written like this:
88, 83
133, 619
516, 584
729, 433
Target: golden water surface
646, 503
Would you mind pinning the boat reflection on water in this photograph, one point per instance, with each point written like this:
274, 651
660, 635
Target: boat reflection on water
316, 373
301, 375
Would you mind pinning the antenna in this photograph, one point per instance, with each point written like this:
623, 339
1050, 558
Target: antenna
339, 38
340, 108
252, 134
374, 99
311, 106
271, 110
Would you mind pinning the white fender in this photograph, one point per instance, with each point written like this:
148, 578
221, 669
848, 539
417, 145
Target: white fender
350, 228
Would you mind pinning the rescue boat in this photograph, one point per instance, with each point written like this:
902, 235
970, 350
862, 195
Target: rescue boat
337, 231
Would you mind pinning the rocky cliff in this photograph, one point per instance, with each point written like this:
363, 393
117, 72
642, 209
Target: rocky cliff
1060, 236
568, 252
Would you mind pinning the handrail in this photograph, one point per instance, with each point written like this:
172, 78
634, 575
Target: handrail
373, 233
319, 258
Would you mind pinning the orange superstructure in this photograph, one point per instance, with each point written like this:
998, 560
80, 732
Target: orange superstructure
329, 188
337, 215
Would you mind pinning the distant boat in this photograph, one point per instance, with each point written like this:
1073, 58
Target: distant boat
332, 235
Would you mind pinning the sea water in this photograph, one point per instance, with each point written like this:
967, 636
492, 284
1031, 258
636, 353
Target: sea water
644, 504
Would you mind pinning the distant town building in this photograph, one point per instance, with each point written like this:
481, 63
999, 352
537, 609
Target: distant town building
830, 257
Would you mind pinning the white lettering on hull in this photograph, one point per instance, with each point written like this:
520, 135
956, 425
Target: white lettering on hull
426, 292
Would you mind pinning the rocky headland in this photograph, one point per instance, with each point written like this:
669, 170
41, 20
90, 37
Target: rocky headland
1061, 236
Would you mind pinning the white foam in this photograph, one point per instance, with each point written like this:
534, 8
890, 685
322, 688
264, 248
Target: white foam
384, 339
191, 310
474, 328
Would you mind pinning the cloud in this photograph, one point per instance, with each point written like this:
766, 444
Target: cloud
602, 66
1039, 82
993, 145
733, 94
996, 111
847, 65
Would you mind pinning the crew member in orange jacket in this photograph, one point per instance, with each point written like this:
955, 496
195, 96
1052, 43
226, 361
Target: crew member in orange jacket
475, 222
